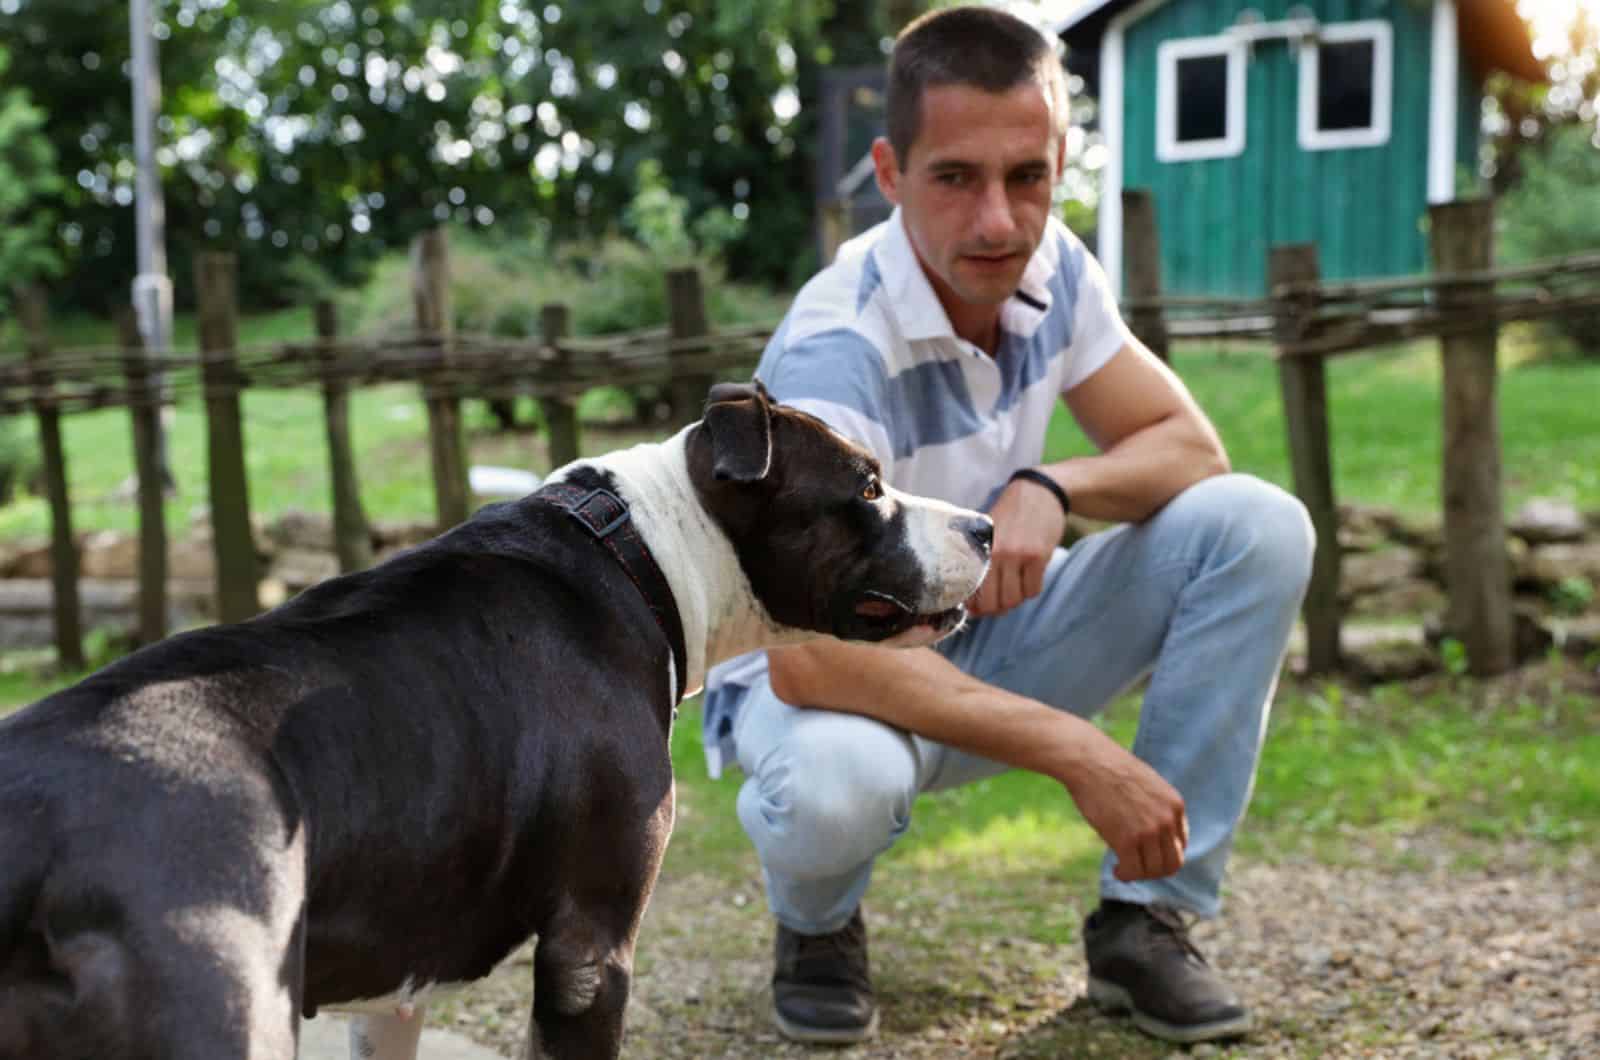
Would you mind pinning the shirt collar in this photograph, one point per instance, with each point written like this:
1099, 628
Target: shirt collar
916, 306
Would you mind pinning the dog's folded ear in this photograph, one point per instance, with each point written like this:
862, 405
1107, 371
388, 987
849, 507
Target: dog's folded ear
738, 418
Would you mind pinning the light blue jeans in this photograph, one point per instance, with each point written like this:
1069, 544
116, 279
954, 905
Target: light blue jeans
1201, 597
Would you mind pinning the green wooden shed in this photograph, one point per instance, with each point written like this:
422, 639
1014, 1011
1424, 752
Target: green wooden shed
1260, 122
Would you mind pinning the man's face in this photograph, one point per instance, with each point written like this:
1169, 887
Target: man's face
975, 191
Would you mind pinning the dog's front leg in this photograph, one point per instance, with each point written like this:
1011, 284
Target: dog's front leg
386, 1037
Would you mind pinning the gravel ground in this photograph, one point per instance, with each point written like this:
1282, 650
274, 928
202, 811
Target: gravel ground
1398, 953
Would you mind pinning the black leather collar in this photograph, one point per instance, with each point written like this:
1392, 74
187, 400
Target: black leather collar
606, 517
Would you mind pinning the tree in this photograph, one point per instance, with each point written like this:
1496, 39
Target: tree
27, 178
311, 136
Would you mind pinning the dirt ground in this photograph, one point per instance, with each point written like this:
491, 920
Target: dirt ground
1354, 960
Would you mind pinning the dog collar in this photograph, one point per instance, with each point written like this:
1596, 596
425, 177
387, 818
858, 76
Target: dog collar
604, 515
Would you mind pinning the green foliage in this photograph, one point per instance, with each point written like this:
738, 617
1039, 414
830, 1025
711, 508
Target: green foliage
613, 284
27, 178
1555, 210
1572, 595
301, 130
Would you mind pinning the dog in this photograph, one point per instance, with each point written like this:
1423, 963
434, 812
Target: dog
396, 778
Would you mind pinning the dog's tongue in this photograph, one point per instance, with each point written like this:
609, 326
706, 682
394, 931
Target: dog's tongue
878, 608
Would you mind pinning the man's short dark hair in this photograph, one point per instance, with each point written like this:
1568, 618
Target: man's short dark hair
976, 46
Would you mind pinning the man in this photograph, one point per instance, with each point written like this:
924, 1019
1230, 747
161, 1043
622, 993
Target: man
940, 340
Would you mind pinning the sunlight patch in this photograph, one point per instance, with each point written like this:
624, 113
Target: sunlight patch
1027, 840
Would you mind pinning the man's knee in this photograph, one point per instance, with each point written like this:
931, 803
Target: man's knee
1258, 525
834, 794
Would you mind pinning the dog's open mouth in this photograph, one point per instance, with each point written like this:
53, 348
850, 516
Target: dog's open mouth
884, 616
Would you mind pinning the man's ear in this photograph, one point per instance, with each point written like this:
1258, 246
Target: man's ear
738, 419
887, 169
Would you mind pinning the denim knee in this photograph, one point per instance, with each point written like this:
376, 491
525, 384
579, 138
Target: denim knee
1263, 530
833, 795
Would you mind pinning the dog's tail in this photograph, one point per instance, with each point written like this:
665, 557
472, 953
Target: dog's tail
65, 982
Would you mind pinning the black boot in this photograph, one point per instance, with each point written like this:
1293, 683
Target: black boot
1142, 960
821, 990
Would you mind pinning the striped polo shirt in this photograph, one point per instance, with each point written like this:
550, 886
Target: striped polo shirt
867, 348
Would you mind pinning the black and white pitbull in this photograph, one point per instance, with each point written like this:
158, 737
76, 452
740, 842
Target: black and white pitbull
399, 776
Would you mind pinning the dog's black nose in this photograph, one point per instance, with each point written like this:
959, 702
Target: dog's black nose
980, 531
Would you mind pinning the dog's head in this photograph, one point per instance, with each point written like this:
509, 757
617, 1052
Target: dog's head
826, 544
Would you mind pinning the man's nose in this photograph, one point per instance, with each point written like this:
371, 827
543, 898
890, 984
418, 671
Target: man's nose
995, 223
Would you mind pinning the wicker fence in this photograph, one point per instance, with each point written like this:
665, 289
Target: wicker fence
447, 367
1462, 302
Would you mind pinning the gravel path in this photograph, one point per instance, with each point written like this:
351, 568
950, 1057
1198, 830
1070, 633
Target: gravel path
1428, 959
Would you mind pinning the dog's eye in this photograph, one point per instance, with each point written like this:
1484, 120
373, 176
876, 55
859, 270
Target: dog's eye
872, 491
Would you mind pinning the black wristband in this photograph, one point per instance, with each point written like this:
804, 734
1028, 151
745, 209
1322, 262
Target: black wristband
1041, 479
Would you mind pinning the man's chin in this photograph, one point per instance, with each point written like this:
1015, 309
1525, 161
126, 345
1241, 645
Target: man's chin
984, 289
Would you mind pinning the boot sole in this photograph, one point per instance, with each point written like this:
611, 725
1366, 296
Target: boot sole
825, 1035
1113, 998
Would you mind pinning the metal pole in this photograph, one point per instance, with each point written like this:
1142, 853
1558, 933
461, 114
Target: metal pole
152, 288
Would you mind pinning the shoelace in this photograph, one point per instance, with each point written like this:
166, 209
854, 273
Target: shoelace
1170, 926
814, 954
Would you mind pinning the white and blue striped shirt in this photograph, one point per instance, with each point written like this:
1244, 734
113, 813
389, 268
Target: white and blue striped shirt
867, 348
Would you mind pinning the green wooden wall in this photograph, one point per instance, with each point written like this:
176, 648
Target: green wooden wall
1364, 207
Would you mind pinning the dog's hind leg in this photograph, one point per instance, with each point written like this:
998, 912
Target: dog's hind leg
386, 1037
582, 971
583, 964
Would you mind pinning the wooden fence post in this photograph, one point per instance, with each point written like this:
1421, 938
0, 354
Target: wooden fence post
686, 312
352, 538
1304, 384
560, 411
1477, 569
430, 293
144, 411
65, 605
1141, 255
233, 540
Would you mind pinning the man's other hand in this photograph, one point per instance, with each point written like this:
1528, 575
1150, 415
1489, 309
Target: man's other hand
1140, 816
1028, 524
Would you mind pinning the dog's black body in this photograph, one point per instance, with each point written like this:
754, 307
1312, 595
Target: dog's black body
392, 780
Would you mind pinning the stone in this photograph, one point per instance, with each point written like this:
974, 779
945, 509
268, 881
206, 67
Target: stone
1409, 597
300, 529
1366, 527
30, 561
108, 554
398, 534
1549, 564
301, 568
1544, 521
1389, 661
1366, 572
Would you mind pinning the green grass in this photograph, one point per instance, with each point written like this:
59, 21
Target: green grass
1340, 768
1385, 424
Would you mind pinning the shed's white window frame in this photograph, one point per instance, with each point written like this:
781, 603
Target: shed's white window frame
1381, 33
1231, 143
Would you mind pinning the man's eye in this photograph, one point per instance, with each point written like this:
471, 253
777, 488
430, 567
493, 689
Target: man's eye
872, 491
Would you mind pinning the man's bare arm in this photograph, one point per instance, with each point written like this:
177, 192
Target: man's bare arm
1153, 438
1155, 443
1138, 814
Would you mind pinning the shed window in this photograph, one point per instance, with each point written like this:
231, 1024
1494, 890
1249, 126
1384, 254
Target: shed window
1199, 99
1346, 86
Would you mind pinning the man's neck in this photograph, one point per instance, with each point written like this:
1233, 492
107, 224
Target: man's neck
976, 322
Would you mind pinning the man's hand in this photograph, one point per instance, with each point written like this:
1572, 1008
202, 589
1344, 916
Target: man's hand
1138, 814
1028, 523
